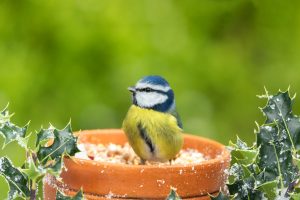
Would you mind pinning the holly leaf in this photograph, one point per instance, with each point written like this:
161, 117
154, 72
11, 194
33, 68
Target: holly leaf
220, 196
270, 168
45, 136
296, 161
269, 189
295, 196
11, 132
278, 108
51, 155
51, 147
32, 171
242, 154
17, 181
243, 188
278, 139
173, 195
4, 115
54, 167
61, 196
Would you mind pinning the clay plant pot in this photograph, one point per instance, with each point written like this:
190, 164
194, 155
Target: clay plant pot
120, 181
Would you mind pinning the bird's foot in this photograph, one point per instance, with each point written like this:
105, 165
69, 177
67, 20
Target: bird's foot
143, 162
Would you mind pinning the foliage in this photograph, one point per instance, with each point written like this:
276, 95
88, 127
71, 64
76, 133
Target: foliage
61, 196
10, 131
15, 178
270, 168
220, 196
47, 157
173, 195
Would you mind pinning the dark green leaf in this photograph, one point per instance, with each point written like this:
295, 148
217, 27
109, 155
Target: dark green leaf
242, 154
271, 167
245, 157
61, 196
295, 196
296, 161
54, 167
235, 173
220, 196
64, 143
173, 195
44, 136
240, 144
277, 139
279, 107
269, 189
32, 171
4, 115
17, 181
244, 189
10, 131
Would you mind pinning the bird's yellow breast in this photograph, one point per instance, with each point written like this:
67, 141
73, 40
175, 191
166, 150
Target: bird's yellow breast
161, 130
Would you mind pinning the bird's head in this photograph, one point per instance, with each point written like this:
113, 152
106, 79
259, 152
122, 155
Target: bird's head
153, 92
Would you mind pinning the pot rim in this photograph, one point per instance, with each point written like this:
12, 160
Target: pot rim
222, 157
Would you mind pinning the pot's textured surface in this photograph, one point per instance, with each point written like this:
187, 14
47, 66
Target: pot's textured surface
120, 181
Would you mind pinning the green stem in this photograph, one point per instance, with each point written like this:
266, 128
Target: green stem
278, 167
33, 183
33, 190
286, 127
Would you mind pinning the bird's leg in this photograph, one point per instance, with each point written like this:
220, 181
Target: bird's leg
170, 161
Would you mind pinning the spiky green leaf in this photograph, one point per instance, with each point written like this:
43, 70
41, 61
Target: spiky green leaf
12, 132
17, 181
269, 189
243, 189
278, 108
4, 115
64, 143
54, 166
242, 154
278, 139
44, 136
61, 196
173, 195
220, 196
296, 161
295, 196
270, 168
32, 171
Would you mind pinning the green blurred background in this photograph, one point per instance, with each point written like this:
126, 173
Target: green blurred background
73, 59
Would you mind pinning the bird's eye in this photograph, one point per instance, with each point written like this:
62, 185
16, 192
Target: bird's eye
147, 89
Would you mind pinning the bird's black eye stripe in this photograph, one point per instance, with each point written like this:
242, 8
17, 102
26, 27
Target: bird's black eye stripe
147, 89
150, 90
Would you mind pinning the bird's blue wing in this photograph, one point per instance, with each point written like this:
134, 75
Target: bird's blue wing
176, 115
144, 135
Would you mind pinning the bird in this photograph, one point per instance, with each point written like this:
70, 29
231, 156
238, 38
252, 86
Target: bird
152, 125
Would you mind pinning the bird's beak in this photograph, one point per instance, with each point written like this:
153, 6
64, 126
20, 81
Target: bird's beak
131, 89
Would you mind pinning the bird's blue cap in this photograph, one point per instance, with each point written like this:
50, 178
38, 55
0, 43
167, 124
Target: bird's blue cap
155, 80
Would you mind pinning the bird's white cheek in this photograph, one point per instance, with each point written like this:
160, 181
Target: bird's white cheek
151, 99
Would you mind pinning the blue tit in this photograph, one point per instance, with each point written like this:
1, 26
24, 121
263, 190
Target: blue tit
152, 124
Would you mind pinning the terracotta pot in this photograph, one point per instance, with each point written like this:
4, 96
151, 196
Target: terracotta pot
120, 181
